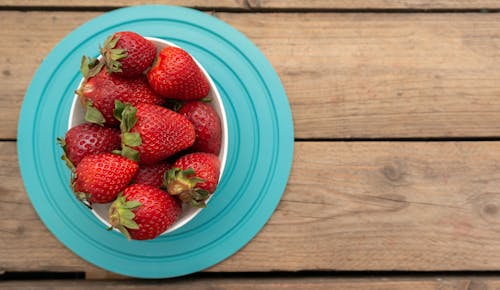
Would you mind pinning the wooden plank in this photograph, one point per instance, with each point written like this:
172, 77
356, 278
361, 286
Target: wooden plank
270, 4
384, 75
23, 226
373, 4
35, 41
348, 206
203, 4
346, 75
465, 283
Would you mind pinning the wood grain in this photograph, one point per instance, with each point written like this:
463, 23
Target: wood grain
384, 75
270, 4
23, 227
348, 206
465, 283
373, 4
203, 4
346, 75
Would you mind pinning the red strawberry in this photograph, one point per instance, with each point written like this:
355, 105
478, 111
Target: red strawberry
143, 212
152, 174
194, 177
128, 54
175, 75
100, 90
86, 139
152, 133
100, 177
206, 124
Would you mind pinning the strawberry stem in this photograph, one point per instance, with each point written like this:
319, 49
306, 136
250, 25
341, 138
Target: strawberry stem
206, 100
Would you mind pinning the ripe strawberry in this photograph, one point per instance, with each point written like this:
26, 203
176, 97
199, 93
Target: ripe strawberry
152, 174
206, 124
175, 75
86, 139
193, 178
128, 54
152, 133
100, 177
143, 212
100, 90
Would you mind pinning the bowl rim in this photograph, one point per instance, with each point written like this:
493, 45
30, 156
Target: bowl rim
224, 138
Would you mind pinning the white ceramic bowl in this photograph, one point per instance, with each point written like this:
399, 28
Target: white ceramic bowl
188, 213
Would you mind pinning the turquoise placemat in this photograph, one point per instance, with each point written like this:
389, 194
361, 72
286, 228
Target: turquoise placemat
260, 137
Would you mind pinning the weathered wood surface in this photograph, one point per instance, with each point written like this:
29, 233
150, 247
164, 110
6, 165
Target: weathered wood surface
346, 75
348, 206
269, 4
203, 4
466, 283
373, 4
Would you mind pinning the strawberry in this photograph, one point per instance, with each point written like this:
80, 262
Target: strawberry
206, 124
100, 90
143, 212
86, 139
99, 178
152, 133
152, 174
193, 177
175, 75
128, 54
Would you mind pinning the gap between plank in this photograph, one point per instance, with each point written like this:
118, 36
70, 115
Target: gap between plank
41, 275
107, 8
47, 275
403, 139
349, 274
248, 9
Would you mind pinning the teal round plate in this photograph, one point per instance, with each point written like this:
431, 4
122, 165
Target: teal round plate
260, 138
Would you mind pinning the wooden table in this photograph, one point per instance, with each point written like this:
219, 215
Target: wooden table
396, 175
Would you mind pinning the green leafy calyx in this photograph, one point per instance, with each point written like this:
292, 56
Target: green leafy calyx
121, 215
93, 115
126, 114
183, 184
175, 105
90, 66
64, 156
83, 197
112, 55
